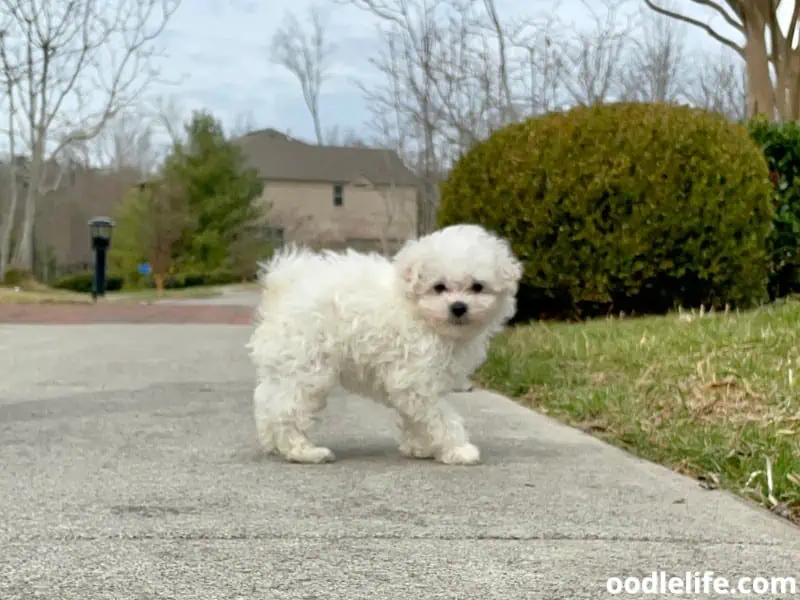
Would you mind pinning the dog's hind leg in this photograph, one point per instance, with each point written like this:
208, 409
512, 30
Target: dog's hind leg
284, 410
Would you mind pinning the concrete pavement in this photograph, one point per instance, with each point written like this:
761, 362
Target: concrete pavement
129, 470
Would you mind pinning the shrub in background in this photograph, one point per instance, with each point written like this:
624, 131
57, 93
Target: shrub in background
15, 277
781, 146
630, 206
195, 279
82, 282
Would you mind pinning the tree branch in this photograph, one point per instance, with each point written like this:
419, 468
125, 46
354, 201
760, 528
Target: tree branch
697, 23
722, 12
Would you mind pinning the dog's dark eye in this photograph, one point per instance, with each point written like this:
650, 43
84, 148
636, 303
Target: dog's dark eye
440, 288
477, 287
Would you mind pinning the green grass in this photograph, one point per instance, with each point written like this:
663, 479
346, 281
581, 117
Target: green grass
714, 396
151, 295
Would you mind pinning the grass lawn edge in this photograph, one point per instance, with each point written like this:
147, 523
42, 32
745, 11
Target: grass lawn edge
712, 396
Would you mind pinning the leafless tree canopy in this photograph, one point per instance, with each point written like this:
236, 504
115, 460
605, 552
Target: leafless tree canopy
770, 54
449, 72
304, 50
69, 68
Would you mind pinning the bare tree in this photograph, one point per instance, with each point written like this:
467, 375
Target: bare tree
305, 54
243, 123
539, 69
338, 136
720, 84
399, 214
9, 77
592, 58
127, 142
508, 111
424, 65
290, 221
766, 50
655, 66
169, 114
77, 64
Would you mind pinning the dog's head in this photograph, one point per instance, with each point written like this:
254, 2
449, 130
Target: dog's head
462, 279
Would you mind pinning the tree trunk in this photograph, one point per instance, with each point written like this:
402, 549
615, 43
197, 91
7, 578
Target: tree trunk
761, 99
23, 256
11, 215
159, 279
8, 229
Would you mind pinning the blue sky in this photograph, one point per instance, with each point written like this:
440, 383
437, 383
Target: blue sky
217, 58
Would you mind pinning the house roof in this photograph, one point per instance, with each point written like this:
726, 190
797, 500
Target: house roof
279, 157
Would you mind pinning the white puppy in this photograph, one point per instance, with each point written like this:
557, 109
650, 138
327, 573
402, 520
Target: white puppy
404, 332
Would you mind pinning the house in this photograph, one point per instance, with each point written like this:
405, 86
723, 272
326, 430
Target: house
333, 196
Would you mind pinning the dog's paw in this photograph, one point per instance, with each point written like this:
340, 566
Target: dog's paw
412, 450
464, 386
311, 455
466, 454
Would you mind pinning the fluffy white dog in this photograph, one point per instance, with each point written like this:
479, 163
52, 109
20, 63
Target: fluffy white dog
404, 332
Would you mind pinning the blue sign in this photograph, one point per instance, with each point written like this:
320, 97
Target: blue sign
144, 269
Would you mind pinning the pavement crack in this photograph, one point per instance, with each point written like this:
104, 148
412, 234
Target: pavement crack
202, 537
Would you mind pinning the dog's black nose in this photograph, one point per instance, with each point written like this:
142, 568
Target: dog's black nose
458, 309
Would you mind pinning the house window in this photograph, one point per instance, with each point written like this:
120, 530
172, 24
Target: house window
338, 195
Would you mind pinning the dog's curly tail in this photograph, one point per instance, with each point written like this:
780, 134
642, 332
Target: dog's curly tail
279, 264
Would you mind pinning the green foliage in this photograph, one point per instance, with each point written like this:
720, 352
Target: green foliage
629, 206
151, 221
15, 277
196, 216
220, 190
245, 252
781, 145
195, 279
82, 282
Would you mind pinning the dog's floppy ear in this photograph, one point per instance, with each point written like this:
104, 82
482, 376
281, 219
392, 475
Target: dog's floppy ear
408, 265
509, 268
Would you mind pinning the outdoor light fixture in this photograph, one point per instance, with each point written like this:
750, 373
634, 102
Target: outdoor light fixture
100, 233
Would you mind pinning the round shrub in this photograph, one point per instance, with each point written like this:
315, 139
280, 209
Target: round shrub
629, 206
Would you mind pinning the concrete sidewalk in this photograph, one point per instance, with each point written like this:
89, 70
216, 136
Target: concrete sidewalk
129, 470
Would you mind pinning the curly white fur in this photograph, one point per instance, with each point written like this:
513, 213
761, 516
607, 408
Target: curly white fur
385, 329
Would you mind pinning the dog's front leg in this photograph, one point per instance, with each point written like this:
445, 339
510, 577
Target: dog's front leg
470, 357
432, 428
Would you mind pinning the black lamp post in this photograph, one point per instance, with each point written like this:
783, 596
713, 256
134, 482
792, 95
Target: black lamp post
100, 232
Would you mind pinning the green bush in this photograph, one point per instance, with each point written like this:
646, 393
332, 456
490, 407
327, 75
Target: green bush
16, 277
629, 206
195, 279
82, 282
781, 145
